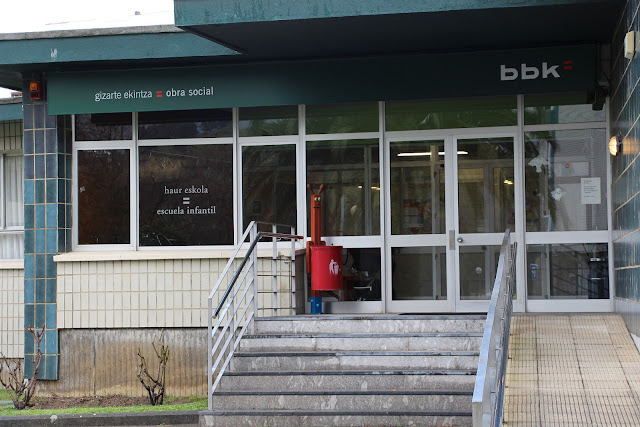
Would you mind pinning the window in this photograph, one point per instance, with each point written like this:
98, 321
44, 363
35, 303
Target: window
11, 191
139, 191
186, 195
568, 271
104, 194
451, 113
350, 173
566, 177
269, 184
560, 108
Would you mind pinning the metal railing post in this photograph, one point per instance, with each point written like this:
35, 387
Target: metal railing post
210, 353
254, 273
274, 271
488, 393
238, 306
292, 282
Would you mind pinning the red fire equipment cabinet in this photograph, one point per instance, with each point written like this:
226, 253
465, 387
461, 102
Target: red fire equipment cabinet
326, 268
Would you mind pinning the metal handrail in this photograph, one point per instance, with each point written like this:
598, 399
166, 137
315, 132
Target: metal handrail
241, 309
486, 404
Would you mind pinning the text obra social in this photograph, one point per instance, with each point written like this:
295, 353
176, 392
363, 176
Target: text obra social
142, 94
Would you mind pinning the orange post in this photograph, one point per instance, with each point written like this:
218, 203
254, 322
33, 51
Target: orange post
316, 226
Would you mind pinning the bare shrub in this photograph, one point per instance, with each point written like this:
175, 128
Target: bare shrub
154, 386
22, 389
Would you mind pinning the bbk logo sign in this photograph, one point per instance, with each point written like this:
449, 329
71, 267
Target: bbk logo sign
530, 72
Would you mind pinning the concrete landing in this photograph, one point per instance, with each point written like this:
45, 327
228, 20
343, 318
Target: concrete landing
572, 370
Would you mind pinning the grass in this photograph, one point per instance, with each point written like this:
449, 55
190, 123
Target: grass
196, 403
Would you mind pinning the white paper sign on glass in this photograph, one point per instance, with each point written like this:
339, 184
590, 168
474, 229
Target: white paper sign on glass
590, 189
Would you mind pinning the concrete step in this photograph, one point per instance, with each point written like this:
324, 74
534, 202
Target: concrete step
371, 324
362, 342
293, 418
460, 379
349, 360
376, 400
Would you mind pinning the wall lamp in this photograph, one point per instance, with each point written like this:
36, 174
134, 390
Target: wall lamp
36, 89
615, 145
630, 45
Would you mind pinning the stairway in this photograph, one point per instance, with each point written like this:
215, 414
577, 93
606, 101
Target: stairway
389, 370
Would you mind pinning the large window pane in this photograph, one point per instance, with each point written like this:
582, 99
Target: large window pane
451, 113
269, 184
486, 185
103, 127
419, 273
361, 274
560, 108
267, 121
104, 196
14, 191
342, 118
478, 266
561, 271
186, 195
565, 180
417, 187
350, 172
12, 245
213, 123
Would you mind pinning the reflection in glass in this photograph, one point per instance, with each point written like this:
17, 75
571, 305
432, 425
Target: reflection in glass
451, 113
212, 123
560, 108
13, 191
350, 172
486, 185
103, 127
267, 121
186, 195
12, 245
104, 197
417, 187
568, 271
269, 185
419, 273
565, 180
361, 274
478, 266
342, 118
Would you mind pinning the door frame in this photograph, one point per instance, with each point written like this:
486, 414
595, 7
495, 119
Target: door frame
449, 137
484, 239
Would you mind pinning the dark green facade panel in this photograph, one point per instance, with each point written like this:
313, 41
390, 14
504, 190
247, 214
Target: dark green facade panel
108, 48
10, 112
560, 69
203, 12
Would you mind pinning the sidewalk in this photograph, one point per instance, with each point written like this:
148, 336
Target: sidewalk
572, 370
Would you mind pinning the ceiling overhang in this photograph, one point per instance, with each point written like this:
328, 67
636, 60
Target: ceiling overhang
290, 29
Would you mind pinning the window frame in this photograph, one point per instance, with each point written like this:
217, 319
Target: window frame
134, 182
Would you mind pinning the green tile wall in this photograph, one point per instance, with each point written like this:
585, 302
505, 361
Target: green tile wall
625, 115
47, 198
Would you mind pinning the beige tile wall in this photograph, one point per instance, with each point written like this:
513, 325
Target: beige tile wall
149, 293
12, 312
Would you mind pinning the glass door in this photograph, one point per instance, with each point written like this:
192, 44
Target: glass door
450, 201
419, 263
484, 207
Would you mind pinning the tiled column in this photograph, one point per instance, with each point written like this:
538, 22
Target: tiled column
47, 208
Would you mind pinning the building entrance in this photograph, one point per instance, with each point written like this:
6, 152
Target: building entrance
450, 201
